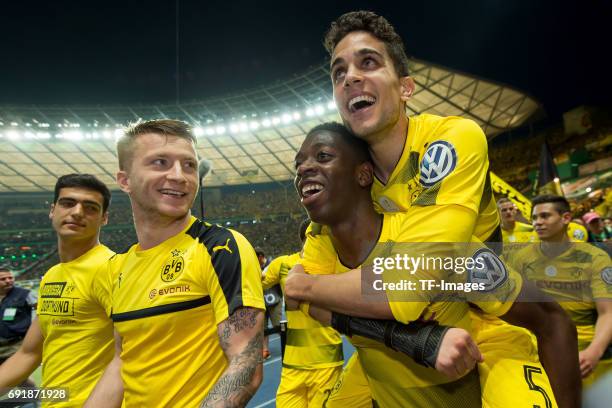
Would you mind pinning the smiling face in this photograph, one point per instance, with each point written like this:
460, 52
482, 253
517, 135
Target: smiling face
78, 214
369, 94
162, 178
330, 176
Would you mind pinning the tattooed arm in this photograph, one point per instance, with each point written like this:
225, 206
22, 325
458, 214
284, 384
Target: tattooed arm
241, 338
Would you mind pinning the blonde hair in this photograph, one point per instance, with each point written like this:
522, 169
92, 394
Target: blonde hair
167, 127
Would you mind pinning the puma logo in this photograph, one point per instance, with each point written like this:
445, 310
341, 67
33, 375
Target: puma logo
226, 247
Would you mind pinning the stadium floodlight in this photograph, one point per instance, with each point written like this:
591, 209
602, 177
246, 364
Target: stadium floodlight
254, 125
287, 118
234, 128
43, 135
319, 109
118, 133
297, 116
13, 135
331, 105
220, 130
266, 122
14, 124
198, 131
209, 131
276, 120
244, 127
310, 112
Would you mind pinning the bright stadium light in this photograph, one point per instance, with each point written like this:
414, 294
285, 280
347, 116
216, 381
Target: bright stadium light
198, 131
254, 125
107, 134
234, 128
297, 116
331, 105
319, 109
310, 112
118, 133
220, 130
244, 127
287, 118
266, 122
43, 135
13, 135
276, 120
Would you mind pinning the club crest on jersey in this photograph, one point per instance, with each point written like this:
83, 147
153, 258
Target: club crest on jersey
606, 275
550, 271
173, 267
579, 234
488, 270
438, 162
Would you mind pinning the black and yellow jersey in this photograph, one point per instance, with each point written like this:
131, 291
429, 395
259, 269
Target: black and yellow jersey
78, 334
520, 233
576, 278
166, 304
444, 162
310, 345
394, 378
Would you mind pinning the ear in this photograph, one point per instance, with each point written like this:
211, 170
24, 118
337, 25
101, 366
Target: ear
365, 174
123, 181
407, 88
105, 218
51, 211
566, 218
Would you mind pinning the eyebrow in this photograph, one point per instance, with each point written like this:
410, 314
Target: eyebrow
361, 53
79, 201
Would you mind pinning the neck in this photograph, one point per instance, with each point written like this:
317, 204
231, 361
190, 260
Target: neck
385, 150
69, 250
152, 230
357, 233
508, 225
556, 245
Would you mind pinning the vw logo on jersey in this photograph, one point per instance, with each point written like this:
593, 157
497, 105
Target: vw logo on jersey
606, 275
438, 161
550, 271
488, 270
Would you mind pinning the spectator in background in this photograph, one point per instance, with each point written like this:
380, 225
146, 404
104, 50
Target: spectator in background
16, 305
513, 230
595, 225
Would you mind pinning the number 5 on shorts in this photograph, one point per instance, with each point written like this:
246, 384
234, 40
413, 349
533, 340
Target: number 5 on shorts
528, 371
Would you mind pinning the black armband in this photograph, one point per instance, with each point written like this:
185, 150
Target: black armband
419, 340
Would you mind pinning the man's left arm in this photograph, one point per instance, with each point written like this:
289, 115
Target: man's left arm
557, 342
590, 356
241, 338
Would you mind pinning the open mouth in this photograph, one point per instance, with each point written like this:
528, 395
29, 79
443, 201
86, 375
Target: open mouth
360, 102
172, 193
310, 192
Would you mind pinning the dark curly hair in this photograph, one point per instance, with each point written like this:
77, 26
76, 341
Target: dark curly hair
374, 24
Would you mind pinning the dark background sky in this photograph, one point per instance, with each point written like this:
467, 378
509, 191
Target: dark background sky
93, 52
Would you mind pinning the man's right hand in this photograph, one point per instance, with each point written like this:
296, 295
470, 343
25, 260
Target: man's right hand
458, 354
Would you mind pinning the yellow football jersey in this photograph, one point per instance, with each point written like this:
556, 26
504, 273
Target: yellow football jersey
395, 379
78, 334
310, 345
166, 304
576, 278
521, 233
577, 232
444, 161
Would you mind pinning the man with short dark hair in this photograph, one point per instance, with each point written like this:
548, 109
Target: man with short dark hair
16, 306
513, 230
578, 276
72, 336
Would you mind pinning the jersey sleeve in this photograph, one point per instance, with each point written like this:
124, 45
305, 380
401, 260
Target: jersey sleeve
453, 169
601, 279
102, 286
272, 273
232, 275
319, 256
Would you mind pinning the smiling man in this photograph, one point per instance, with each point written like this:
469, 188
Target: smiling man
186, 300
72, 336
436, 170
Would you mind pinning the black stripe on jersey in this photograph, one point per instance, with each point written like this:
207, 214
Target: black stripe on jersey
225, 255
161, 309
487, 194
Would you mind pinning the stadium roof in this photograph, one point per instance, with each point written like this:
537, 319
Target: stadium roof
250, 137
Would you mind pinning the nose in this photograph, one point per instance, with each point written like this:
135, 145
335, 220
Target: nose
305, 168
176, 172
78, 210
352, 76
